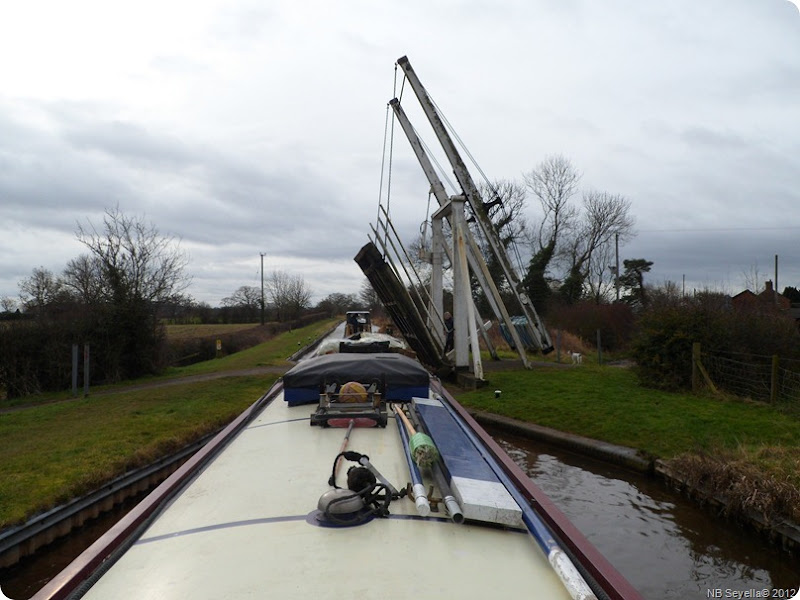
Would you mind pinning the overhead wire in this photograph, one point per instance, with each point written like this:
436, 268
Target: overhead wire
383, 167
489, 184
388, 135
389, 179
442, 173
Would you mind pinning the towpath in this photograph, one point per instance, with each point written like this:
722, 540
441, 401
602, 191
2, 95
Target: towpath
159, 383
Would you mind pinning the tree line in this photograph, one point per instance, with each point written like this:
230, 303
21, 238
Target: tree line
106, 298
117, 296
568, 253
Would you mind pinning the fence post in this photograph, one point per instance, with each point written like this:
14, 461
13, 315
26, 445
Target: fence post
74, 370
697, 365
558, 345
599, 349
85, 370
773, 382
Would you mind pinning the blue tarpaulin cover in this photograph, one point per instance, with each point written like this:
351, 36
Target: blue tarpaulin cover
520, 324
404, 376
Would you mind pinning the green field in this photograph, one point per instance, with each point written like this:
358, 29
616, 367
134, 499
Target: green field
182, 332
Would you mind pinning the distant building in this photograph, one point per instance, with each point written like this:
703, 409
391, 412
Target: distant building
769, 299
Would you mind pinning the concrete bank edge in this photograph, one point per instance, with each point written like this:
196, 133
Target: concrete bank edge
618, 455
786, 533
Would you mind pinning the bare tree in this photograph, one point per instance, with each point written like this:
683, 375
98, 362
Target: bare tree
139, 268
40, 289
604, 216
83, 276
136, 261
338, 303
753, 278
553, 183
368, 296
245, 302
600, 275
246, 296
504, 202
289, 294
8, 304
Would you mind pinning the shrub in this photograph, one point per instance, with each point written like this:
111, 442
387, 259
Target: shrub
662, 346
36, 353
615, 322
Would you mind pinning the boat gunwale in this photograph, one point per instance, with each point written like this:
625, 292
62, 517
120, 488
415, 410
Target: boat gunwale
85, 566
612, 582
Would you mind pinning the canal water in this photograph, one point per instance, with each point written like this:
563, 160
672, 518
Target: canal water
665, 545
27, 577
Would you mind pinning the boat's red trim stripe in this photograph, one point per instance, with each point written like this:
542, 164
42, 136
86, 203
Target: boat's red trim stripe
611, 580
82, 567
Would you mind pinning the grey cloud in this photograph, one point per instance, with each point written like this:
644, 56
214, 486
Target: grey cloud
715, 139
718, 260
123, 141
688, 108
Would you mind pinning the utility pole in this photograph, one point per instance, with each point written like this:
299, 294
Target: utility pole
616, 271
776, 279
262, 288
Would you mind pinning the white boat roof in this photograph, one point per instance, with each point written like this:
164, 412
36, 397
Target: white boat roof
243, 528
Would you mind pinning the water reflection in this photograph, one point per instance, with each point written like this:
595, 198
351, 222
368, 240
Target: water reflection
665, 545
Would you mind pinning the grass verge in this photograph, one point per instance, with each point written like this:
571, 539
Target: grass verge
737, 448
271, 353
55, 451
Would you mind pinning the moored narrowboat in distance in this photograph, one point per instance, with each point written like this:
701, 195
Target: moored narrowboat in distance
357, 321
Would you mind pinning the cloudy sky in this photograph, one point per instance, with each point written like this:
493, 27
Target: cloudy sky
250, 126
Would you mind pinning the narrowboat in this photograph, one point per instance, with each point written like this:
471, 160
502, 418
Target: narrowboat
355, 476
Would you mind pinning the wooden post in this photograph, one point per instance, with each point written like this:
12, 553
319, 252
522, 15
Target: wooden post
599, 349
699, 370
558, 345
773, 382
74, 370
462, 293
436, 310
86, 370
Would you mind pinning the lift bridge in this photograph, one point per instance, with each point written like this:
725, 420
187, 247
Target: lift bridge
417, 310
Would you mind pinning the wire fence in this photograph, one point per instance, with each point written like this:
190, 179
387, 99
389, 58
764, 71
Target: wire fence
759, 377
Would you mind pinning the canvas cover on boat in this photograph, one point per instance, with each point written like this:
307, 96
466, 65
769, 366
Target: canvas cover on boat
404, 377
